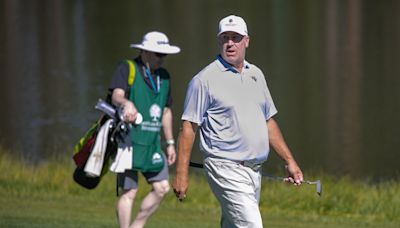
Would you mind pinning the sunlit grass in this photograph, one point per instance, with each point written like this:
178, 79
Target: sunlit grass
45, 195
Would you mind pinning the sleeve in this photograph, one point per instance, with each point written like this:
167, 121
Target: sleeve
196, 102
169, 96
269, 106
164, 74
120, 77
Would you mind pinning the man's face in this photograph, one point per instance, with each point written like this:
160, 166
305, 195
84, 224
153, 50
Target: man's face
154, 59
233, 47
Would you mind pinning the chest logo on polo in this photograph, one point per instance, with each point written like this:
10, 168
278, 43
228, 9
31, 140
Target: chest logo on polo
254, 78
155, 112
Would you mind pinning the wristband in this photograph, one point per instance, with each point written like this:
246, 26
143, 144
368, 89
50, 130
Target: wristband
170, 142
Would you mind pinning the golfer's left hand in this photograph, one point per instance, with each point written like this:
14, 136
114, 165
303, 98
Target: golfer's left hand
295, 176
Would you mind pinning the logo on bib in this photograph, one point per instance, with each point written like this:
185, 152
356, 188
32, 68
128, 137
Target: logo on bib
156, 158
155, 112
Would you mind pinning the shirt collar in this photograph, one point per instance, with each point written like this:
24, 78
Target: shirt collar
225, 66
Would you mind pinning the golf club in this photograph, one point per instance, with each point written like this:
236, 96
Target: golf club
120, 128
115, 113
317, 182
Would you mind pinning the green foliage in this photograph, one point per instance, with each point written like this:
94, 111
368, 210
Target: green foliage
46, 196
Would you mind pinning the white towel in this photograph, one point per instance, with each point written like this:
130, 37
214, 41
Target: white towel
123, 160
95, 162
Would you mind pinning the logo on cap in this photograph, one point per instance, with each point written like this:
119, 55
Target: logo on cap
232, 23
156, 42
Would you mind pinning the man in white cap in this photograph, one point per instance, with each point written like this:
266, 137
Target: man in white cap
150, 96
230, 104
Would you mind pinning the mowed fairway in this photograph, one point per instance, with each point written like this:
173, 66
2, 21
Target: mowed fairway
46, 196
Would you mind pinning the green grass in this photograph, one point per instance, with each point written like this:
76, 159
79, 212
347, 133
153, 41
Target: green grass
46, 196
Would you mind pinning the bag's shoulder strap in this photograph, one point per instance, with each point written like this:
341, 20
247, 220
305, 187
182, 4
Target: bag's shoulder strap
132, 72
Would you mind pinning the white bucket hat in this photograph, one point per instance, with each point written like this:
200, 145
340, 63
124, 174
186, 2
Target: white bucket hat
156, 42
233, 23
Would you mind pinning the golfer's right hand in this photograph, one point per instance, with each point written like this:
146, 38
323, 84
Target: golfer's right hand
180, 185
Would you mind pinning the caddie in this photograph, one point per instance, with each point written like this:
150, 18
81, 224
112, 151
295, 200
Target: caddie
149, 95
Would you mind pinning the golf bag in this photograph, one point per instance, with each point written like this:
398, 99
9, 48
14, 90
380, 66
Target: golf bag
99, 145
105, 145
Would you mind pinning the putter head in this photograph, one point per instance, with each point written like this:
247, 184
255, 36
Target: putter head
317, 184
319, 187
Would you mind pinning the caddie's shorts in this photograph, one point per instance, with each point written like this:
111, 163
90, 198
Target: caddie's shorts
129, 179
237, 188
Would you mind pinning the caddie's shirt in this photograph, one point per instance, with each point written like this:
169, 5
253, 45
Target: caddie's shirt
231, 109
120, 78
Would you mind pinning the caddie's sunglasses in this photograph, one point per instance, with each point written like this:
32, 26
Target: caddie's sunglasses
160, 55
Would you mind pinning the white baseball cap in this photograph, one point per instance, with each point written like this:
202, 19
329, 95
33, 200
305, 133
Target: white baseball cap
233, 23
156, 42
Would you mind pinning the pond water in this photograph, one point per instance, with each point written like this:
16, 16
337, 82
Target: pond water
332, 68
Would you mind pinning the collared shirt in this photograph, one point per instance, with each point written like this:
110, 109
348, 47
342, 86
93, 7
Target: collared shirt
229, 66
231, 109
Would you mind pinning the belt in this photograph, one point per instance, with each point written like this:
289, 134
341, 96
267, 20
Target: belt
254, 166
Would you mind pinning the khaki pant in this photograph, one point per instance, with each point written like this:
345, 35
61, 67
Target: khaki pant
237, 188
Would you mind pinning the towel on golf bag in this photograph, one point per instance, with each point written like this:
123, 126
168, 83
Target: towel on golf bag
123, 160
95, 161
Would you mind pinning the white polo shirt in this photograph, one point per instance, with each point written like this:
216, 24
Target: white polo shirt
231, 109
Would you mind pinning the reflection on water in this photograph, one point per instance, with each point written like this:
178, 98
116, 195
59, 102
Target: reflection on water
331, 66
